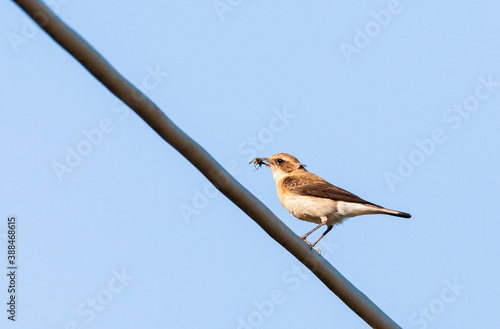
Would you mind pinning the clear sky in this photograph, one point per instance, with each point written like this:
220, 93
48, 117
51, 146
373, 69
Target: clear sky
395, 101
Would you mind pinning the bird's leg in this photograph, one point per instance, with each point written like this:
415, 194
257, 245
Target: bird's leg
322, 236
304, 237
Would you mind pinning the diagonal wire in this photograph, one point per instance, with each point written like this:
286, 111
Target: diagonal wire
204, 162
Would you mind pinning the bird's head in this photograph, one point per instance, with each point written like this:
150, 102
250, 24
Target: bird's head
281, 164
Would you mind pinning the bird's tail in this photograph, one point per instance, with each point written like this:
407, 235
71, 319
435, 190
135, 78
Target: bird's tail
393, 212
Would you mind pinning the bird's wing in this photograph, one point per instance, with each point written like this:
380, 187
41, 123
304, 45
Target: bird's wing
316, 186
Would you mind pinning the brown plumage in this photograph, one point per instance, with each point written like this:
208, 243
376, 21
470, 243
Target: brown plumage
311, 198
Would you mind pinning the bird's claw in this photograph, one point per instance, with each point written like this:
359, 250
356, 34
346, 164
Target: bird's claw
310, 245
317, 249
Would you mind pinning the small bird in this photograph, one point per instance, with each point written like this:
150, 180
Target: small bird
311, 198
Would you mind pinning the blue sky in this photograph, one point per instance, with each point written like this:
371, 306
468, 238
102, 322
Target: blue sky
395, 101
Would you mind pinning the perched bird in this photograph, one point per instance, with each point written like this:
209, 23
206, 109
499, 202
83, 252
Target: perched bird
311, 198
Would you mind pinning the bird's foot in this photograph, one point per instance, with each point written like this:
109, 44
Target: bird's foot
317, 249
310, 245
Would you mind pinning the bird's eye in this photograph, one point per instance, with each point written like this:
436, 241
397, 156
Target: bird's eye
280, 160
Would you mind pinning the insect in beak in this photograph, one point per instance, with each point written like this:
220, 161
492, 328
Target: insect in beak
258, 162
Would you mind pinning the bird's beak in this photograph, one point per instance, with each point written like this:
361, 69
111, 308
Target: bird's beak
261, 161
266, 162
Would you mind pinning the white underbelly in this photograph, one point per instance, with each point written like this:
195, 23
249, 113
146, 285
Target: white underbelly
313, 209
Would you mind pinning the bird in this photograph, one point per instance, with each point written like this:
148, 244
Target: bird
310, 198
